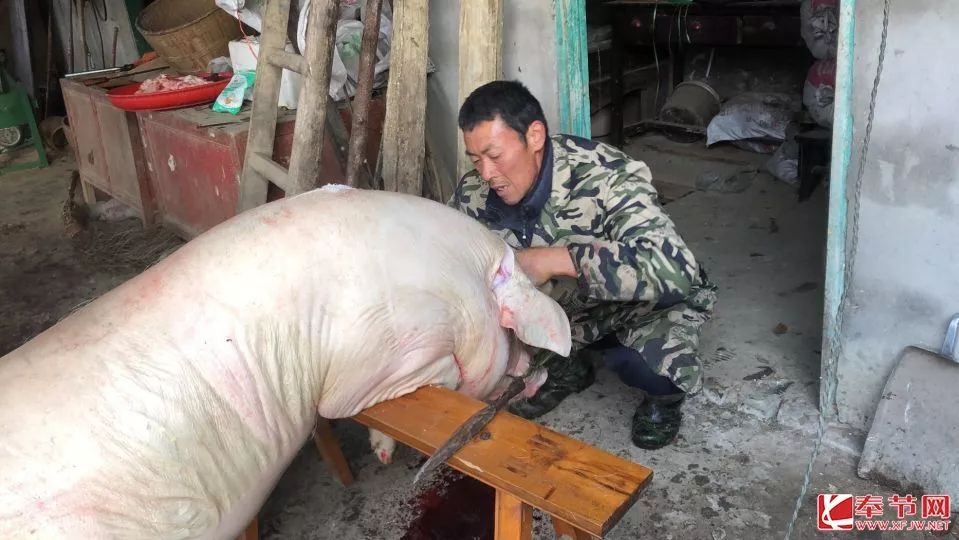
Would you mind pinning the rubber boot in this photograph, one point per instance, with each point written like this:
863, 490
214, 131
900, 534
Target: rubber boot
657, 420
565, 376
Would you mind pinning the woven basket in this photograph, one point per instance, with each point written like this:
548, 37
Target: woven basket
188, 33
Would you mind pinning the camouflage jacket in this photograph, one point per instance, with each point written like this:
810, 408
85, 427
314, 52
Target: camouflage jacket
635, 273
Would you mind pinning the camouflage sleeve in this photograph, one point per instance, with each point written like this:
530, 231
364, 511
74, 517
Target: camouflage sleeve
641, 257
466, 197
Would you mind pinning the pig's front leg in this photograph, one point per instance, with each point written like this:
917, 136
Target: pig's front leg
383, 445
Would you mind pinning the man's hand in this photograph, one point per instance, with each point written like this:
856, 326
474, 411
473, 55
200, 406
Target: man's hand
541, 264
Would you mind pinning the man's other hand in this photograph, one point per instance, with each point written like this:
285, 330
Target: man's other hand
541, 264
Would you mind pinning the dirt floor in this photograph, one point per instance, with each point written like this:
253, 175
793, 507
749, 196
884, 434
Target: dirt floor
740, 461
50, 262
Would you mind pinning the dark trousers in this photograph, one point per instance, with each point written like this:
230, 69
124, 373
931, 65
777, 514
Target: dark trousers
633, 369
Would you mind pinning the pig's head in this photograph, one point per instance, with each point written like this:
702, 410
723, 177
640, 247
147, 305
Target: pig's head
525, 319
441, 301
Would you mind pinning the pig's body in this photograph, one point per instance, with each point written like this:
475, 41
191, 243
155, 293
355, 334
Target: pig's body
169, 407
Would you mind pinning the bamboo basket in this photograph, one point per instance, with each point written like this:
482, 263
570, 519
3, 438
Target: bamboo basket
188, 33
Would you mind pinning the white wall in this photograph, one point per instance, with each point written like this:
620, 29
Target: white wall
904, 283
529, 55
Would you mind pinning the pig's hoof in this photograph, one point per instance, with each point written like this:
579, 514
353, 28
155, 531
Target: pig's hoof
383, 446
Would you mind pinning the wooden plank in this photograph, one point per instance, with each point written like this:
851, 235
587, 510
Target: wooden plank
357, 169
266, 93
582, 485
565, 531
311, 110
514, 518
480, 56
329, 449
252, 531
22, 64
404, 125
270, 169
287, 60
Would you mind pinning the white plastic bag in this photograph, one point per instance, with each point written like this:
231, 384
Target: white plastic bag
819, 91
819, 26
750, 116
250, 12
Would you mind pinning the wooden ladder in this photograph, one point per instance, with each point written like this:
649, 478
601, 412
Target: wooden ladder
315, 111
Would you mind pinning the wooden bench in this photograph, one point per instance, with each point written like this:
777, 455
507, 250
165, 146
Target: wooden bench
584, 489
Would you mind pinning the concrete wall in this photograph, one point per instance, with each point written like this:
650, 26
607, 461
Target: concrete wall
904, 281
529, 55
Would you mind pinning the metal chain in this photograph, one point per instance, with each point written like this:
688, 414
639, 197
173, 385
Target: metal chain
830, 382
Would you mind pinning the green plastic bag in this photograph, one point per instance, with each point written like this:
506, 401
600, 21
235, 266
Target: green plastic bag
230, 99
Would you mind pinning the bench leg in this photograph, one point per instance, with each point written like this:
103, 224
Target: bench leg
565, 531
252, 531
89, 195
329, 449
514, 518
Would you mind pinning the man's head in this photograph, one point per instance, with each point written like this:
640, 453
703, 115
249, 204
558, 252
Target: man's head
505, 132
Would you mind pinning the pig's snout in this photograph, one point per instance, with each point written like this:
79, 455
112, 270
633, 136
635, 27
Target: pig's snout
533, 383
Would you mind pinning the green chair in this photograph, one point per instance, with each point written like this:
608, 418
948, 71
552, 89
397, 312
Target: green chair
16, 111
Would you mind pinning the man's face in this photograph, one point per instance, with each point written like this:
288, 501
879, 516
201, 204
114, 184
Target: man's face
503, 159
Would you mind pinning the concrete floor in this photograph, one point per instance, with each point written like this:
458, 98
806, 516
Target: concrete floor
738, 466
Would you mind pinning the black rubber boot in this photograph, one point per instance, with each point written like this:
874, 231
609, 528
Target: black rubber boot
657, 420
566, 376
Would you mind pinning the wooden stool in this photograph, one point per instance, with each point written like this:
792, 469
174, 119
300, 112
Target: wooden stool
585, 490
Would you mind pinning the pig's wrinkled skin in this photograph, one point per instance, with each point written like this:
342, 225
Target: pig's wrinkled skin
169, 407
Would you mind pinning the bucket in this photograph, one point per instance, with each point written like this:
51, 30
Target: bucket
693, 103
188, 33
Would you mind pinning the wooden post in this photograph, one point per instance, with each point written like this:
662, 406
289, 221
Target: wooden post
252, 531
480, 57
356, 169
262, 134
514, 518
403, 127
308, 135
329, 449
565, 531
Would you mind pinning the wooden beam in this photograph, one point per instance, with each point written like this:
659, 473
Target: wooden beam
480, 57
404, 123
565, 531
582, 485
252, 531
253, 186
514, 518
306, 156
286, 59
329, 449
357, 170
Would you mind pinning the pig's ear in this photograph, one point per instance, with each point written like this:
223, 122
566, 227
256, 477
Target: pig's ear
536, 318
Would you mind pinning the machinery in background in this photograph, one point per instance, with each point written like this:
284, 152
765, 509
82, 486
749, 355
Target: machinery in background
18, 125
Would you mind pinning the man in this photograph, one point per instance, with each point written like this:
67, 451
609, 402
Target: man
587, 227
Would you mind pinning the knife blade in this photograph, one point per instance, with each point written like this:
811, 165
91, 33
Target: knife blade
471, 428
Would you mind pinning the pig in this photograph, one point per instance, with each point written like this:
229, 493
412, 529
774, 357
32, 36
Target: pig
170, 406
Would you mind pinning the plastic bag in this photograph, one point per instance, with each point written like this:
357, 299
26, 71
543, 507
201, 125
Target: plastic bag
784, 163
751, 119
220, 64
819, 26
230, 99
819, 91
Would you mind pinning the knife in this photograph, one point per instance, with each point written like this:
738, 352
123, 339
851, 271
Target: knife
471, 428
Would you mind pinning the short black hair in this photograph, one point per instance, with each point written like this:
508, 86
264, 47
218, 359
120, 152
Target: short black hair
509, 100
